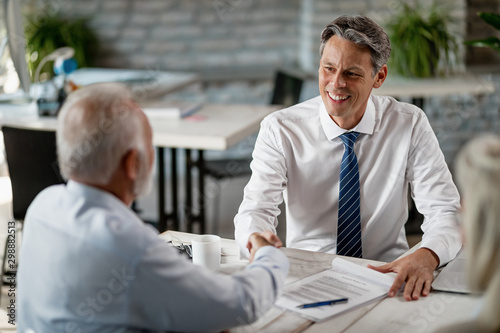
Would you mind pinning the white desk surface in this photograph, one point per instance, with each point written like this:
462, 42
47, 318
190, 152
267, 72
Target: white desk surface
427, 87
213, 127
387, 315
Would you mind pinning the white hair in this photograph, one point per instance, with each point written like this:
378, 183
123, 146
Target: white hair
478, 178
97, 125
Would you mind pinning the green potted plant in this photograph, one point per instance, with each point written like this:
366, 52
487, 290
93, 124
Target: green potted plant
47, 33
422, 44
493, 42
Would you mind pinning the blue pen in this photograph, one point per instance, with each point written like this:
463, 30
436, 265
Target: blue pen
331, 302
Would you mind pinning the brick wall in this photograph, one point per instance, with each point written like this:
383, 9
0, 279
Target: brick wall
206, 35
191, 34
458, 118
247, 39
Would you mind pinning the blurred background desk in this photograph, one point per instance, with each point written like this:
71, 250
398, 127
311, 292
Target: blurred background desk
387, 315
213, 127
420, 88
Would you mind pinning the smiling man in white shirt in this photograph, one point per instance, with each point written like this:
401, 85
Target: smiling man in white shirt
300, 150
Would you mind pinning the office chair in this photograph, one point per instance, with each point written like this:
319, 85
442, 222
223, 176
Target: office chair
287, 88
32, 162
286, 92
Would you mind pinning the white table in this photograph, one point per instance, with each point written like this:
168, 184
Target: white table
388, 315
213, 127
436, 86
420, 88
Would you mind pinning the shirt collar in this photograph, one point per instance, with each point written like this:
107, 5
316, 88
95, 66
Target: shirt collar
92, 193
332, 130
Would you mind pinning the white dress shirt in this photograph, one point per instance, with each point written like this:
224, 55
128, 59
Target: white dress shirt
297, 158
89, 264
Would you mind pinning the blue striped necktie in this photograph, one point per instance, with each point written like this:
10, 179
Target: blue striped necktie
349, 222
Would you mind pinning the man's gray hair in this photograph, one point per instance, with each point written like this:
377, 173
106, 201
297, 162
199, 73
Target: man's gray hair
360, 30
97, 126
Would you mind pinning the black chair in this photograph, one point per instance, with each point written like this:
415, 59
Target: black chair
287, 88
32, 162
286, 92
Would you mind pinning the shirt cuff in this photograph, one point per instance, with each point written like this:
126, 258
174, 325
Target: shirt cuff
444, 252
242, 240
274, 254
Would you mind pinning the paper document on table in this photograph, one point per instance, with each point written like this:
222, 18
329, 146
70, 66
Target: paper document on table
172, 110
344, 280
453, 277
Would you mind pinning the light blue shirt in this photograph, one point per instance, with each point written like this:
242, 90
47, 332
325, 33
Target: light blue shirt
89, 264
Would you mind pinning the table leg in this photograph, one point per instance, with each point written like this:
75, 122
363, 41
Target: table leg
175, 198
189, 211
188, 207
163, 215
201, 185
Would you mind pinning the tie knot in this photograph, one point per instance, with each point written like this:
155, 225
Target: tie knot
349, 138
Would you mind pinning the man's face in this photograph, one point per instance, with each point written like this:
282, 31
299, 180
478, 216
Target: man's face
346, 80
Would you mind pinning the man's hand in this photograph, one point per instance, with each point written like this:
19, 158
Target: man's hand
415, 269
256, 241
272, 238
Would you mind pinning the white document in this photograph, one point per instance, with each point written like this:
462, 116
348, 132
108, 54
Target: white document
453, 277
344, 280
169, 110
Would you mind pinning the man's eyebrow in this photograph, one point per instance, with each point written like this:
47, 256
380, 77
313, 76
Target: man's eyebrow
356, 69
352, 68
326, 63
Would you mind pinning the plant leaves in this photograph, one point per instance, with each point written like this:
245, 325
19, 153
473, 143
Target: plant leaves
50, 32
420, 39
492, 19
493, 42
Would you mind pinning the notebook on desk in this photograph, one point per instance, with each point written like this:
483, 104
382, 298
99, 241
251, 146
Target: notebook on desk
169, 110
452, 277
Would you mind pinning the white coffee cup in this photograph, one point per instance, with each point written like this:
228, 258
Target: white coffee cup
206, 251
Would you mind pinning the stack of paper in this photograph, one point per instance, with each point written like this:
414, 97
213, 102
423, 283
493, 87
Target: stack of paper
344, 280
169, 110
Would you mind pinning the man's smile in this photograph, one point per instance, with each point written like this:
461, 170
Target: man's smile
338, 98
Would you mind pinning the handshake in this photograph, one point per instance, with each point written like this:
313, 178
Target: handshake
258, 240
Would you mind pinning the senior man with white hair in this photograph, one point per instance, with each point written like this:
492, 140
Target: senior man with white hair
89, 264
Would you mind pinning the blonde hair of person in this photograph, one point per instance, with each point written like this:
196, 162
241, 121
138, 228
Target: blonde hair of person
478, 177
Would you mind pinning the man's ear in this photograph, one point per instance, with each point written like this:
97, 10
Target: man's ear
380, 77
131, 164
